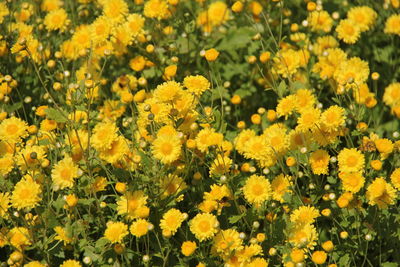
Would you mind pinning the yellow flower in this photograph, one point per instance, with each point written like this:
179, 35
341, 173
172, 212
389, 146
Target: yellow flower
104, 134
133, 204
352, 182
171, 185
4, 204
34, 264
320, 21
333, 118
139, 227
208, 137
62, 235
26, 194
351, 160
280, 186
348, 31
171, 221
363, 16
392, 25
13, 129
286, 62
19, 237
297, 255
168, 91
56, 20
226, 242
64, 173
116, 151
319, 161
258, 262
257, 190
305, 99
286, 106
196, 84
71, 263
166, 148
211, 54
100, 30
204, 226
137, 63
188, 248
319, 257
309, 119
391, 97
115, 10
304, 215
115, 232
394, 178
353, 70
156, 9
381, 193
6, 164
220, 166
303, 235
135, 23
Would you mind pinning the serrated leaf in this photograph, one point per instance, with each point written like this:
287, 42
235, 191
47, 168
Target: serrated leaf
235, 219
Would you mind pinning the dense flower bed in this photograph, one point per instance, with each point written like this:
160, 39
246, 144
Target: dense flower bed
199, 133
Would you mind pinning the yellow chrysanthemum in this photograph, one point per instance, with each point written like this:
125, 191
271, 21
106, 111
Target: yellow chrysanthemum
363, 16
226, 242
381, 193
220, 166
19, 237
13, 129
257, 189
104, 134
286, 106
333, 118
64, 173
171, 221
4, 204
280, 186
71, 263
115, 10
168, 91
351, 160
348, 31
208, 137
133, 205
115, 232
286, 62
62, 235
166, 148
391, 97
309, 119
204, 226
196, 84
26, 194
303, 235
156, 9
56, 20
304, 215
319, 161
305, 99
392, 25
116, 152
394, 178
320, 21
6, 164
139, 227
135, 23
352, 182
171, 185
34, 264
353, 70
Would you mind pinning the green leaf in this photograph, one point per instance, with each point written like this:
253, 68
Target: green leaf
57, 115
344, 260
389, 264
236, 39
235, 219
